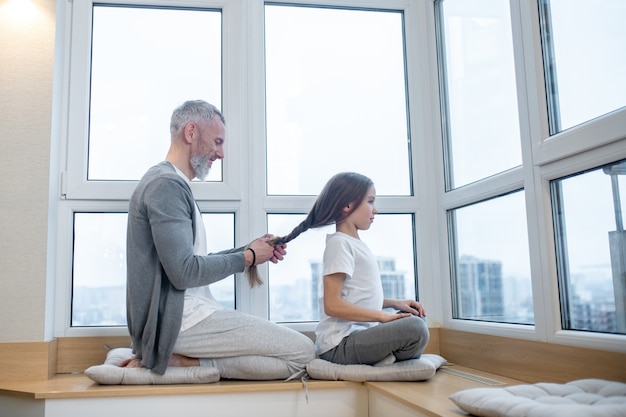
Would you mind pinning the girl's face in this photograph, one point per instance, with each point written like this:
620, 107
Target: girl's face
363, 216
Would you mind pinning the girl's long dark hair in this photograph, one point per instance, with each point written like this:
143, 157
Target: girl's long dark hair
340, 191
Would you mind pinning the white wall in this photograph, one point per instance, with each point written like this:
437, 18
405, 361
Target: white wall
27, 36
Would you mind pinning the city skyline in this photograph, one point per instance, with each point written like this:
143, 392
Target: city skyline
101, 306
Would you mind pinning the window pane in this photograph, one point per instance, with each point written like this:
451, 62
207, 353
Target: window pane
138, 78
335, 90
585, 59
591, 248
99, 268
479, 77
491, 262
295, 283
220, 231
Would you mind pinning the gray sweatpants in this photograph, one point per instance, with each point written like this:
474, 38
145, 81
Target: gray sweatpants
242, 346
405, 338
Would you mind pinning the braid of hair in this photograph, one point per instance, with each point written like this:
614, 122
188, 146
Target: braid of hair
297, 231
254, 278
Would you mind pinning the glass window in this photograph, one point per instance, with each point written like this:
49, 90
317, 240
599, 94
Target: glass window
591, 248
99, 269
138, 77
220, 231
585, 59
295, 283
479, 90
336, 99
135, 79
491, 261
99, 266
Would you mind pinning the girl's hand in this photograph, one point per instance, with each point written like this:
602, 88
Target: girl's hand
406, 306
387, 317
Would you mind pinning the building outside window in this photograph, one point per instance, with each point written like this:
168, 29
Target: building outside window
591, 248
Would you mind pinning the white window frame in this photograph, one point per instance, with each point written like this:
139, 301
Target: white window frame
596, 142
243, 188
75, 184
417, 20
544, 158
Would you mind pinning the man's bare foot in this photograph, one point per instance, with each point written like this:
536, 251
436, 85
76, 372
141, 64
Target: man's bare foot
175, 360
130, 363
181, 360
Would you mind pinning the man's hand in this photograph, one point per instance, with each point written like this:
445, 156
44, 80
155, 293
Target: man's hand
264, 250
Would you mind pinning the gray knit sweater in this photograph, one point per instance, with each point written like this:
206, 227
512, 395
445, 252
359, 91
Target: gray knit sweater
161, 263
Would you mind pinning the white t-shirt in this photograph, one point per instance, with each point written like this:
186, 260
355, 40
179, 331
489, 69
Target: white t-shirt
199, 301
362, 287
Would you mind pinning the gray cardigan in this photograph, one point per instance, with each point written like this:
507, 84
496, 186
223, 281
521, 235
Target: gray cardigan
161, 264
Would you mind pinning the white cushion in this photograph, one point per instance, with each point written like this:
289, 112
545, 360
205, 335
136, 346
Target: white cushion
409, 370
111, 374
584, 398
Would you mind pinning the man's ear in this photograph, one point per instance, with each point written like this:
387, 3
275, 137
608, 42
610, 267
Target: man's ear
188, 131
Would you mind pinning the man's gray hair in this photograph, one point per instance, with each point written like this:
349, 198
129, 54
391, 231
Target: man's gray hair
193, 111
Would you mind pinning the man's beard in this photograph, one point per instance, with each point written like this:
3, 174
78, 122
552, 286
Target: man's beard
200, 165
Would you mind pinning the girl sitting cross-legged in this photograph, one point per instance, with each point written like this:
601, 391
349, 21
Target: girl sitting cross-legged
354, 328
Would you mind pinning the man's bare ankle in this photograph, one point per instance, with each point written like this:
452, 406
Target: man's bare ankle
181, 360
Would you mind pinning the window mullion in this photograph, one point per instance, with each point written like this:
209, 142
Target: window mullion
253, 219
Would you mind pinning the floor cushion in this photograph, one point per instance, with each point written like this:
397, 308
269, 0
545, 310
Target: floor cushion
581, 398
410, 370
110, 374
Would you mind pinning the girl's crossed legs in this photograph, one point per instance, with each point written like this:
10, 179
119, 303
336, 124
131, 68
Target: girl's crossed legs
405, 338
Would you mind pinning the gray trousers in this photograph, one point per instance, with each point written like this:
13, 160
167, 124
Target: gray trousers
404, 338
242, 346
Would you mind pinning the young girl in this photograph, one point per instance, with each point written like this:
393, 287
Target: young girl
353, 327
